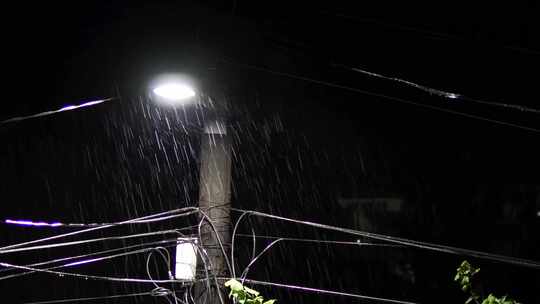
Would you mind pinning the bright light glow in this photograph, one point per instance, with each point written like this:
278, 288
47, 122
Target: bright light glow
82, 262
86, 104
31, 223
186, 259
174, 92
452, 95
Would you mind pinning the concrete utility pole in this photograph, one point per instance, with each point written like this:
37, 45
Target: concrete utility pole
215, 198
214, 184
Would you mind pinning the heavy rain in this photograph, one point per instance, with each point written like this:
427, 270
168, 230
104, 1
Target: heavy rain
318, 154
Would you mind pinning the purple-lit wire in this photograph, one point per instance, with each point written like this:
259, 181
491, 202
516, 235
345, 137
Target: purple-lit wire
32, 223
178, 213
55, 245
62, 109
84, 276
29, 223
84, 261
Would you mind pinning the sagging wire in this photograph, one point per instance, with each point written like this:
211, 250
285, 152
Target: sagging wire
71, 300
63, 109
329, 292
222, 248
105, 251
304, 240
319, 291
379, 95
90, 261
236, 225
164, 253
205, 217
246, 269
161, 290
403, 241
280, 239
440, 93
103, 278
85, 276
31, 223
157, 216
158, 291
153, 293
426, 89
86, 256
111, 238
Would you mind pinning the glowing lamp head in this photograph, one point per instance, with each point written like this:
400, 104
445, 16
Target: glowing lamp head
173, 89
174, 93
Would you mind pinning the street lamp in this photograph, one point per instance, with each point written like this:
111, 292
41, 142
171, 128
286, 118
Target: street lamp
174, 92
173, 89
215, 167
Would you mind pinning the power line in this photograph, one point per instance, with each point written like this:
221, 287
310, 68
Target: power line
111, 238
149, 293
441, 93
328, 292
82, 256
43, 224
157, 216
86, 276
164, 291
86, 261
63, 109
304, 240
383, 96
403, 241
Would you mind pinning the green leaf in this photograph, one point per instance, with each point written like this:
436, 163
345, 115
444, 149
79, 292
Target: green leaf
251, 291
245, 295
234, 284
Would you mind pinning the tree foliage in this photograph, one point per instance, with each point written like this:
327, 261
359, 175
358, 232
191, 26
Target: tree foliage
244, 295
464, 277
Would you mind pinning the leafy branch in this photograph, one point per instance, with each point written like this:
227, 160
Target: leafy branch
244, 295
464, 277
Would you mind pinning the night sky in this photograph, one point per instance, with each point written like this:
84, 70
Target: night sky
310, 134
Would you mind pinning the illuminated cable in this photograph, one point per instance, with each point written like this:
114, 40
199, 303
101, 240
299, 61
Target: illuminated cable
84, 262
441, 93
85, 276
403, 241
182, 212
83, 256
105, 251
383, 96
30, 223
63, 109
111, 238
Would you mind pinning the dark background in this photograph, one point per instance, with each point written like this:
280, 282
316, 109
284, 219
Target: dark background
301, 147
